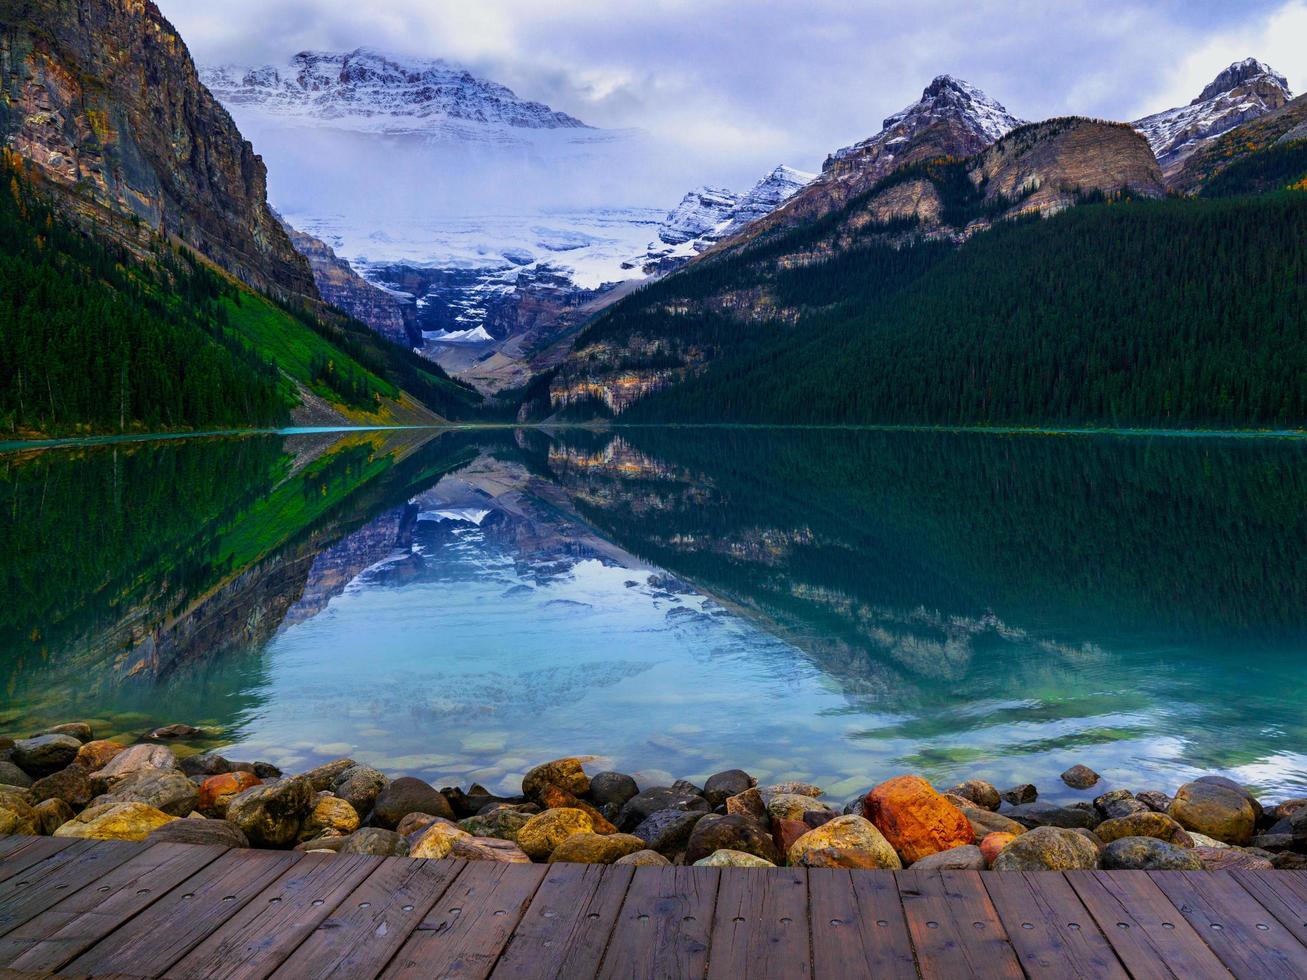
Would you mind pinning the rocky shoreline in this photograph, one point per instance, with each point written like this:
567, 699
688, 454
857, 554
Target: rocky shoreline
66, 783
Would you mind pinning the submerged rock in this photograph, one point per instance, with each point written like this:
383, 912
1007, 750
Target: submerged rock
1080, 777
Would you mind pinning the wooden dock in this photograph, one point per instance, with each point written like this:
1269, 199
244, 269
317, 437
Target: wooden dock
74, 908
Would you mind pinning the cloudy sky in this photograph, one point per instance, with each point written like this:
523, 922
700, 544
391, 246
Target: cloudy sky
739, 86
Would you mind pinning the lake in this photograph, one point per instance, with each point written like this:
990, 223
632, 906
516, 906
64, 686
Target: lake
836, 606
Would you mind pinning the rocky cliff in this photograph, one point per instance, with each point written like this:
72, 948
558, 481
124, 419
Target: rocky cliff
103, 98
1283, 126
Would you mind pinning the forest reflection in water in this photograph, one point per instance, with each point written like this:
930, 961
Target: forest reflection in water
831, 605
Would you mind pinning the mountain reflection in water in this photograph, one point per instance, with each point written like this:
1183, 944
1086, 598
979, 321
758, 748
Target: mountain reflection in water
834, 606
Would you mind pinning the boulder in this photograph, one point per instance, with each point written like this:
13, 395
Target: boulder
749, 804
1146, 824
643, 805
723, 785
211, 764
134, 759
321, 777
271, 815
612, 788
1233, 859
1239, 788
1048, 849
553, 797
979, 794
73, 785
1214, 810
1289, 861
95, 755
376, 841
1019, 794
915, 819
265, 770
726, 858
687, 787
217, 791
984, 822
644, 859
51, 815
44, 754
164, 789
406, 795
414, 824
596, 848
1271, 842
791, 789
668, 831
175, 732
478, 799
17, 815
503, 824
840, 857
968, 857
1080, 777
565, 773
792, 806
437, 840
329, 815
489, 849
786, 832
79, 730
1048, 815
221, 832
1155, 800
730, 833
11, 775
848, 833
994, 843
1148, 854
359, 786
1118, 803
115, 821
545, 831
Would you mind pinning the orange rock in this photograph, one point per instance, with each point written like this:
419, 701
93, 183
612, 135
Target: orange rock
216, 791
915, 819
993, 843
94, 756
554, 797
787, 832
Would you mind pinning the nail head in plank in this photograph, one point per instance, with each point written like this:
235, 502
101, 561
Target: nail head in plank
567, 925
663, 928
1049, 927
858, 925
760, 925
180, 920
1149, 935
256, 940
77, 923
1282, 893
954, 927
464, 933
1250, 941
372, 922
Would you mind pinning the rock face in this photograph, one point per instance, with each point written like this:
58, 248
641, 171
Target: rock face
1277, 128
103, 98
915, 819
1242, 92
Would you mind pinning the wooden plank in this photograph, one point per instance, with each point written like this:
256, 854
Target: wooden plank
954, 927
359, 938
49, 882
1282, 893
16, 842
1249, 940
170, 928
760, 925
566, 927
1151, 938
463, 935
256, 940
1049, 927
858, 926
58, 934
31, 850
664, 926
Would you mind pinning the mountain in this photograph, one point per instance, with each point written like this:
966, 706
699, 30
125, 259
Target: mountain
369, 91
1262, 154
103, 99
708, 215
953, 118
1244, 91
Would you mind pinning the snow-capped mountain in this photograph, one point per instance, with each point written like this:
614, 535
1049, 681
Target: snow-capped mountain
947, 101
368, 91
708, 215
1245, 90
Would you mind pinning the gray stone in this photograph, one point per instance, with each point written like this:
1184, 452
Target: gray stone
644, 859
1155, 800
79, 730
324, 775
731, 833
375, 840
964, 858
612, 788
1048, 815
1048, 849
721, 785
11, 775
1148, 854
73, 785
270, 815
44, 754
668, 831
407, 795
1119, 803
164, 789
359, 786
222, 832
1017, 795
643, 805
134, 758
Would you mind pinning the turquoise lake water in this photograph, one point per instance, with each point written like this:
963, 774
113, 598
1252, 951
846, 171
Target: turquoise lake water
835, 606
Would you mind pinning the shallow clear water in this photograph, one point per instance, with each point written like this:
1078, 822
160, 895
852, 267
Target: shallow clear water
832, 606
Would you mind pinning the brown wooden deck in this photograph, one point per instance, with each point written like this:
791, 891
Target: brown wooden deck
92, 908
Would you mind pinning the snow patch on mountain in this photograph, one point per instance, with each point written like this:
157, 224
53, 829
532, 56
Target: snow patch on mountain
1244, 91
